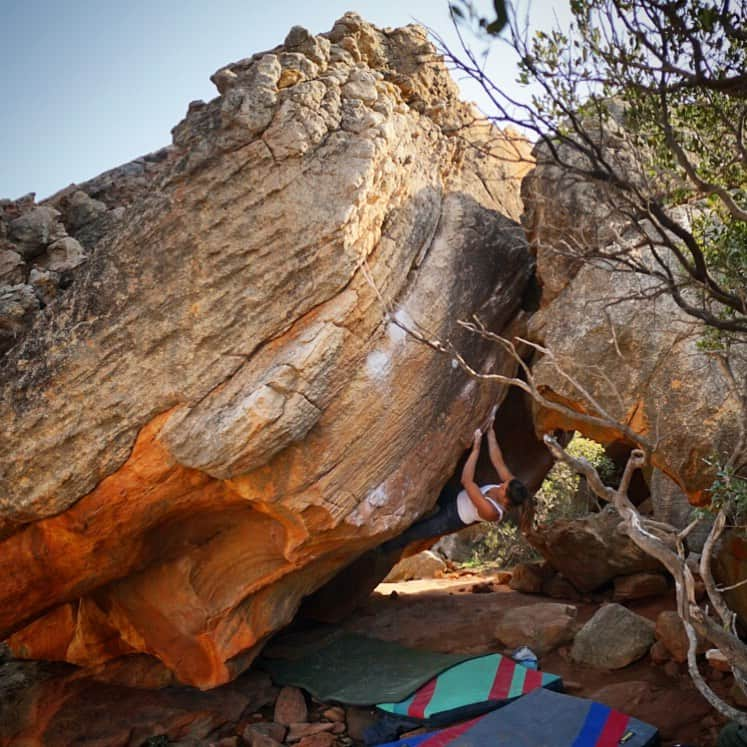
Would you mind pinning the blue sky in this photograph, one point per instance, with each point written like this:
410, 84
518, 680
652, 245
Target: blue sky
90, 84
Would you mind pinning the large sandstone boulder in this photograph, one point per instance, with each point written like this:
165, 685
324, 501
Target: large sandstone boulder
642, 362
220, 410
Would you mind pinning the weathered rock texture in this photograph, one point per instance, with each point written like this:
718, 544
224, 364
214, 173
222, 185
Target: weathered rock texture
55, 704
218, 413
592, 550
613, 638
633, 349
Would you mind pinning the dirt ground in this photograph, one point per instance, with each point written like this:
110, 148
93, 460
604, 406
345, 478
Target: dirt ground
457, 613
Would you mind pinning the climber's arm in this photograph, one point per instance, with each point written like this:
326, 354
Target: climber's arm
485, 509
496, 455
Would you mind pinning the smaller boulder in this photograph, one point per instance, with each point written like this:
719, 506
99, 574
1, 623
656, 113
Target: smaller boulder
63, 254
527, 577
542, 627
290, 707
321, 739
613, 638
297, 732
334, 713
639, 586
82, 210
425, 564
36, 229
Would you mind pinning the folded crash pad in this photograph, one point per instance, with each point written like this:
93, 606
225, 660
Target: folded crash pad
354, 669
543, 718
470, 688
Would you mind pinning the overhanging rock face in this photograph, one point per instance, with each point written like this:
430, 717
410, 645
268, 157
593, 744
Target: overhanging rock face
219, 413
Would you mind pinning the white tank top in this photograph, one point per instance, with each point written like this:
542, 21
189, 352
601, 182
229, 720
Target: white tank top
468, 511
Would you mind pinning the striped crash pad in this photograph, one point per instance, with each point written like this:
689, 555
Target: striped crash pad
543, 718
471, 687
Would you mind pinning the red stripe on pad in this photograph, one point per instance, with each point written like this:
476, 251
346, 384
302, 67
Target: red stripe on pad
444, 737
421, 699
503, 677
533, 680
613, 729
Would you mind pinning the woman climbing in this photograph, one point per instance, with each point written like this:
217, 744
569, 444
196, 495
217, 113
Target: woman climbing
456, 509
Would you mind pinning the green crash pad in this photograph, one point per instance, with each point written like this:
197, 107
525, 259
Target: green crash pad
353, 669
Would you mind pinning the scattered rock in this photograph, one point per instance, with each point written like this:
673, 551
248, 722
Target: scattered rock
33, 231
639, 586
613, 638
424, 564
226, 742
335, 713
542, 627
527, 577
75, 709
265, 734
63, 254
290, 707
305, 729
503, 578
321, 739
82, 210
671, 633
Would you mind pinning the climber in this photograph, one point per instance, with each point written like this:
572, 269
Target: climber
457, 509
